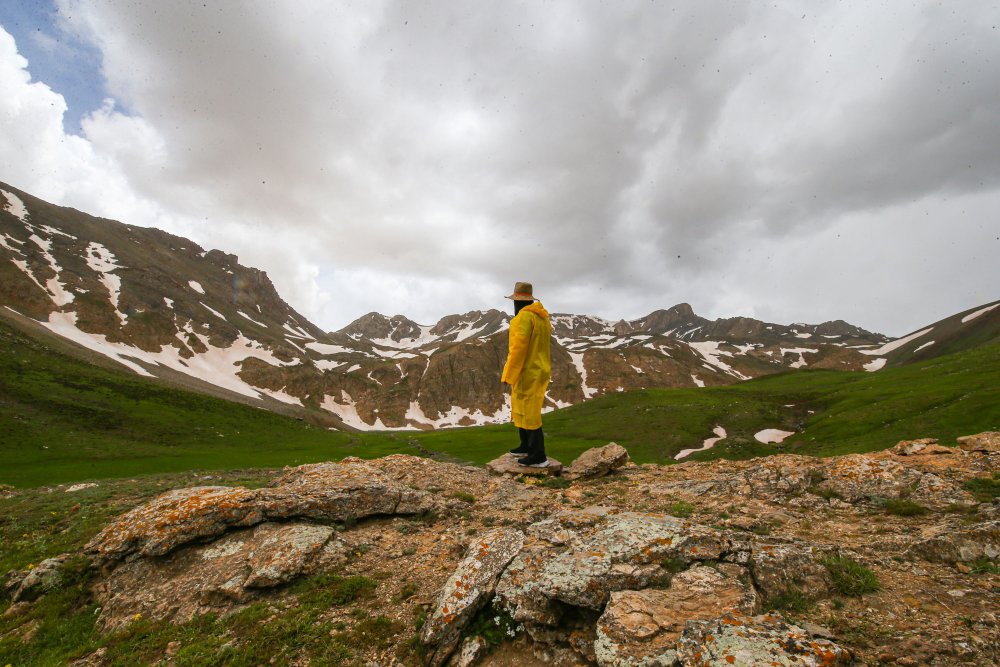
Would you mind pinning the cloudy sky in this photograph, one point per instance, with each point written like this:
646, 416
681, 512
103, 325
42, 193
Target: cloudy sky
794, 161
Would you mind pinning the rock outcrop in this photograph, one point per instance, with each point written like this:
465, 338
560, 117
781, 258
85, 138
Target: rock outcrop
599, 572
224, 574
987, 443
348, 490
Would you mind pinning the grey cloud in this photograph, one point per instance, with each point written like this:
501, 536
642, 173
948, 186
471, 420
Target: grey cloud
629, 153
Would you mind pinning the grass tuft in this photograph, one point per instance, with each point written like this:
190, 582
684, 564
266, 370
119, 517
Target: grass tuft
904, 507
850, 578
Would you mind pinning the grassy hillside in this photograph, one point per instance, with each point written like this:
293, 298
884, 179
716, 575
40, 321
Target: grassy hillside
832, 412
62, 420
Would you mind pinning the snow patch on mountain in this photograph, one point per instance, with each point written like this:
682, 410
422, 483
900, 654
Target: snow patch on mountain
423, 338
709, 349
15, 206
57, 291
697, 381
875, 365
577, 358
103, 261
927, 344
895, 344
799, 351
296, 331
218, 366
325, 348
64, 324
245, 316
972, 316
769, 435
213, 311
720, 433
196, 286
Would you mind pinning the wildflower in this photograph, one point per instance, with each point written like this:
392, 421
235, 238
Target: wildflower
31, 566
137, 617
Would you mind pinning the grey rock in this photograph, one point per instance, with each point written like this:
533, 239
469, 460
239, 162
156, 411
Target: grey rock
468, 589
987, 442
780, 568
508, 465
745, 641
350, 489
597, 462
471, 651
217, 577
27, 585
642, 628
946, 544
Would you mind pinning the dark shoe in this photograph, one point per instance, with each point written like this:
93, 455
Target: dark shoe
534, 462
520, 451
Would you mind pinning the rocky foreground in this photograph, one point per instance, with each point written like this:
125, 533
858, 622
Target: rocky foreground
883, 558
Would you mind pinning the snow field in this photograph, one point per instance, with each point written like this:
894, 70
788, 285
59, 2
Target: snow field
720, 434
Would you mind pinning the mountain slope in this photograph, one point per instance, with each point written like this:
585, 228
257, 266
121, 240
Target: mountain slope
161, 306
63, 420
962, 331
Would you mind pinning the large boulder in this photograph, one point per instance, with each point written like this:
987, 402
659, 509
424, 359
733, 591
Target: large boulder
584, 556
327, 492
921, 447
597, 462
864, 477
779, 569
736, 640
628, 551
948, 544
26, 585
219, 576
643, 627
468, 589
987, 442
174, 518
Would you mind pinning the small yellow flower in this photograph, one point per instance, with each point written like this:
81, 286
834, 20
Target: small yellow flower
137, 617
31, 566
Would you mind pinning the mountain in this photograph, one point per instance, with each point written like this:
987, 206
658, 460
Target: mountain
963, 331
163, 307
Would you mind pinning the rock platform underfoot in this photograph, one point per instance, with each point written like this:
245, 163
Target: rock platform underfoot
722, 563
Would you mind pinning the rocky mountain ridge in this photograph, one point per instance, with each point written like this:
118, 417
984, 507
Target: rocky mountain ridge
880, 558
161, 306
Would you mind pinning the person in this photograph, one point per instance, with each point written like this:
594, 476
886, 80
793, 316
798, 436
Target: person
527, 371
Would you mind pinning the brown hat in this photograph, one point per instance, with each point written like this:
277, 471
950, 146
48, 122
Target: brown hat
522, 292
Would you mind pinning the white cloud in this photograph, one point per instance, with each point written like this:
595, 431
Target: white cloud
420, 158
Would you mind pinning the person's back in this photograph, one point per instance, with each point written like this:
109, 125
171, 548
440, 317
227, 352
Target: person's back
527, 371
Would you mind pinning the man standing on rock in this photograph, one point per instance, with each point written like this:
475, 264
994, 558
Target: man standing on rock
527, 371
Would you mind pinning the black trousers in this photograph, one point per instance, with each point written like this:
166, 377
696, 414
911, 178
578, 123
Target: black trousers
532, 441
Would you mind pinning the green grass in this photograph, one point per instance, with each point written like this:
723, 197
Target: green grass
904, 507
62, 420
258, 634
792, 600
985, 489
850, 577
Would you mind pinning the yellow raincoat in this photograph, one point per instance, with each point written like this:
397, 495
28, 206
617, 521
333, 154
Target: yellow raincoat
529, 365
